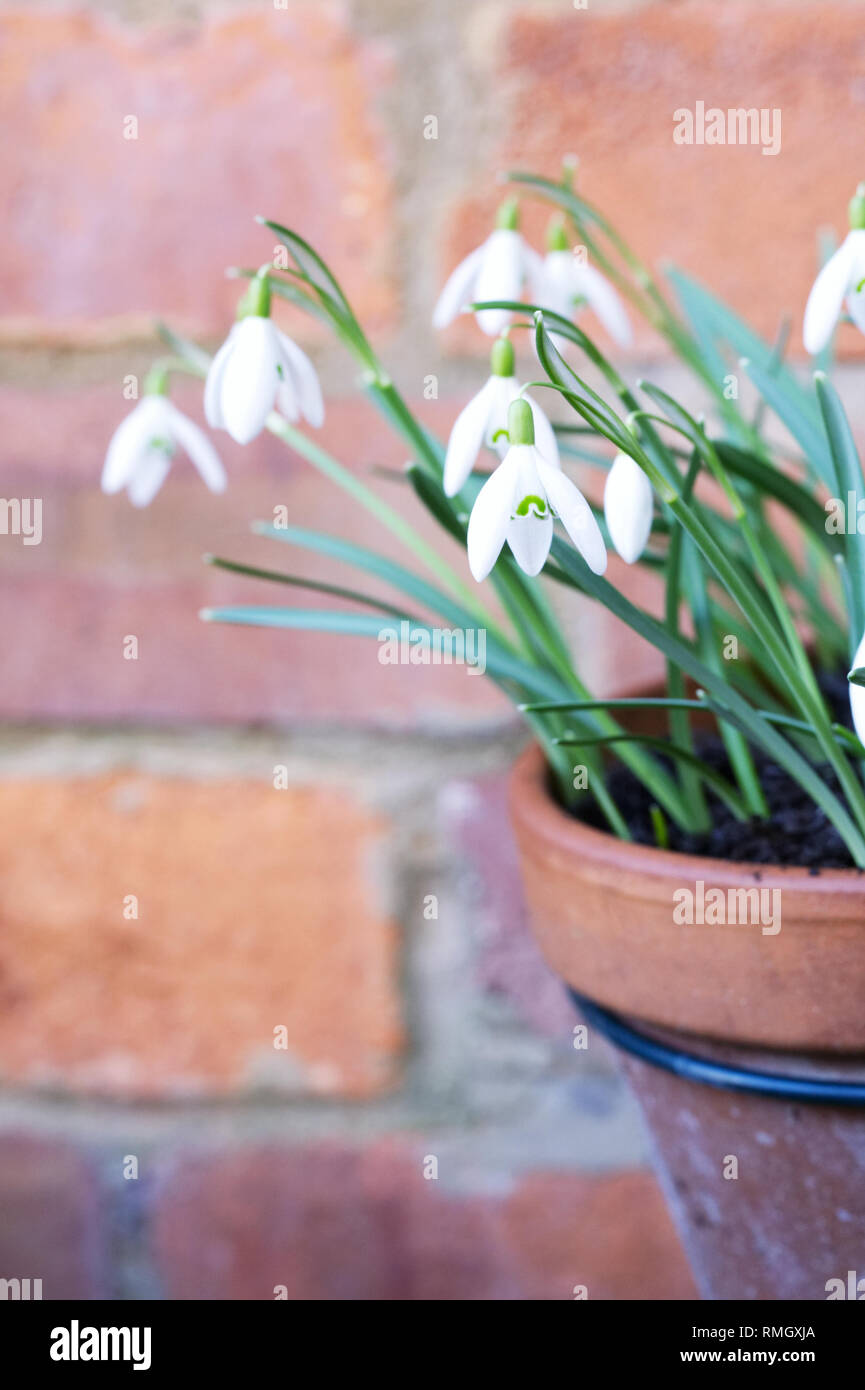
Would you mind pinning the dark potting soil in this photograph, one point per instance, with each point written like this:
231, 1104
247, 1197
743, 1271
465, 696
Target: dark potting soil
796, 833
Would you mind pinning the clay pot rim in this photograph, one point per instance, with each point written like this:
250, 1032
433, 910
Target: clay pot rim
531, 801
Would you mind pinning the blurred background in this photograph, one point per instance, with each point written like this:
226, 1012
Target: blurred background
324, 1059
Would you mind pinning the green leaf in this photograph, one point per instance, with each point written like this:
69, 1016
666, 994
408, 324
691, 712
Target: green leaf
310, 263
722, 788
793, 409
301, 582
733, 704
499, 664
848, 475
185, 348
771, 482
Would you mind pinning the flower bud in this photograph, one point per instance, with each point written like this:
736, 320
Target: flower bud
628, 507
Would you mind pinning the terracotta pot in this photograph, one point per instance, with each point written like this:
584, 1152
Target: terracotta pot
603, 914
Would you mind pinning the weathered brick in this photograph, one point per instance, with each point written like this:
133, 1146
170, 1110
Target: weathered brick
258, 908
606, 85
333, 1223
268, 112
476, 824
52, 1227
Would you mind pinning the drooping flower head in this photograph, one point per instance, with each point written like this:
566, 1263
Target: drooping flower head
628, 507
497, 269
517, 504
257, 367
839, 281
143, 446
484, 421
567, 283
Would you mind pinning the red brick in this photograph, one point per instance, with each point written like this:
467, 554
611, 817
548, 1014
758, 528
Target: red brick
257, 909
332, 1223
260, 113
605, 86
104, 570
51, 1228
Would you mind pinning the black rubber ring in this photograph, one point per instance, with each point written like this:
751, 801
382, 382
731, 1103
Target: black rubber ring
719, 1074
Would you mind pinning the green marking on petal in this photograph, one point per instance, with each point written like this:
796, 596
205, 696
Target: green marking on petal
162, 446
537, 504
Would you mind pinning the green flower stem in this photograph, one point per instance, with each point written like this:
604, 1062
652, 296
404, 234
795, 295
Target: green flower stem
642, 291
680, 724
735, 743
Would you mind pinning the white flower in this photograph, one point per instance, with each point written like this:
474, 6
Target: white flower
257, 367
565, 281
517, 503
496, 270
628, 507
838, 281
143, 447
857, 696
485, 416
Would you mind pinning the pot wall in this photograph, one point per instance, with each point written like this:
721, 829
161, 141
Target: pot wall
794, 1216
603, 914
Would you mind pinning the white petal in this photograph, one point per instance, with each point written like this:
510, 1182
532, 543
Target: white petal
530, 538
530, 529
250, 379
467, 437
500, 277
601, 297
557, 289
213, 384
458, 289
856, 308
199, 449
307, 388
827, 295
503, 389
857, 696
628, 507
148, 477
286, 399
490, 518
575, 514
534, 271
130, 441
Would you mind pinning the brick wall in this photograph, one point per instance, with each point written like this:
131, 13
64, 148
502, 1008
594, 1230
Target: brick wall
154, 1141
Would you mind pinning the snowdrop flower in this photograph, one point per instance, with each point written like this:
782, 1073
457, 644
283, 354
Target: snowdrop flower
486, 416
496, 270
839, 280
143, 446
565, 283
517, 504
256, 367
857, 695
628, 507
